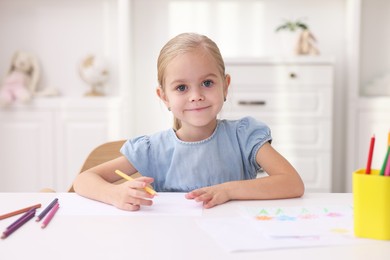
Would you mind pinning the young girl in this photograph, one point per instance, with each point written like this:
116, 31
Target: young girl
212, 160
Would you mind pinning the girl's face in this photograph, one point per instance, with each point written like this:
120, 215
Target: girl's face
194, 89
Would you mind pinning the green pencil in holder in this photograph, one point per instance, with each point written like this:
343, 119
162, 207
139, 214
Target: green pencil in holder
371, 205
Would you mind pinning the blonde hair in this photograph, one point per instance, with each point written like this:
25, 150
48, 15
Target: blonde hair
183, 43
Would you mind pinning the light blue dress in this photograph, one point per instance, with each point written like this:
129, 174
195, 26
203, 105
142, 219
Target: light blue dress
228, 154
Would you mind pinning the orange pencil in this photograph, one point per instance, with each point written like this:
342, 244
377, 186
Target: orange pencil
388, 139
20, 211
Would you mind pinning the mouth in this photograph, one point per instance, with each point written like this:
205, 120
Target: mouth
196, 109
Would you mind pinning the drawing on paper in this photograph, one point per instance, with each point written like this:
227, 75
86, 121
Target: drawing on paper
303, 223
299, 213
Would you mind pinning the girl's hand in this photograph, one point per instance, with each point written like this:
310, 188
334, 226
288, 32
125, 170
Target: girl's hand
210, 196
131, 195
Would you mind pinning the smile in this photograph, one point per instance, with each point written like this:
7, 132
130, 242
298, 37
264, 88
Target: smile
197, 108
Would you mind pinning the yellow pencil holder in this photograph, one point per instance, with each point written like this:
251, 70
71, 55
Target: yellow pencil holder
371, 205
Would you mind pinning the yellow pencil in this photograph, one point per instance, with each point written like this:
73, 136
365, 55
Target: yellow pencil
127, 177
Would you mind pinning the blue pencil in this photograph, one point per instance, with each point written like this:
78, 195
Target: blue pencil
46, 210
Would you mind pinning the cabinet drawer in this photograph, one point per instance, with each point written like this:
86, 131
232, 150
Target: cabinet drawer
287, 102
249, 75
300, 134
313, 167
296, 132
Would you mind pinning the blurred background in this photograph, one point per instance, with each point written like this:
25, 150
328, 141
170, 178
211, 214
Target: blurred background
44, 141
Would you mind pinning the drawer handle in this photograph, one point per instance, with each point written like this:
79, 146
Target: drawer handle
252, 103
293, 75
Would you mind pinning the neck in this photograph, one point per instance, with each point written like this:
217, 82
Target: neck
194, 133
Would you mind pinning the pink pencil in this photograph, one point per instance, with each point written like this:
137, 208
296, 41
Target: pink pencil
387, 171
49, 216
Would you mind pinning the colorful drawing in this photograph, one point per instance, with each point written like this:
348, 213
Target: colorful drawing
299, 213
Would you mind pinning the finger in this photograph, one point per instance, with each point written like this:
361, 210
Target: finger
130, 207
133, 204
194, 194
140, 201
147, 180
141, 185
203, 197
190, 195
139, 194
136, 184
211, 203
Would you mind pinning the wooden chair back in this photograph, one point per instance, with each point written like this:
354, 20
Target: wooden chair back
103, 153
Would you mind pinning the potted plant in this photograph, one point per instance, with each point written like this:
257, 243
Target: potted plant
289, 33
292, 26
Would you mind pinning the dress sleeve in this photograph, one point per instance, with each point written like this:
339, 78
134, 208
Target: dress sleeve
252, 134
137, 151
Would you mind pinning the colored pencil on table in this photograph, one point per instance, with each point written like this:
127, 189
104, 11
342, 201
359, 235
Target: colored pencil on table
47, 209
25, 215
388, 139
127, 177
383, 169
20, 211
370, 153
17, 224
387, 170
50, 216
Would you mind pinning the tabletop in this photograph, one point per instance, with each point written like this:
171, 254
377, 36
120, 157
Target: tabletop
86, 229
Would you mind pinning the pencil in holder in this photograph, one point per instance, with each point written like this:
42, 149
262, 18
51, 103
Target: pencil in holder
371, 205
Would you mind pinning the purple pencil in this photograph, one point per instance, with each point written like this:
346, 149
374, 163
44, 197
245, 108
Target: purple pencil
25, 215
17, 224
49, 217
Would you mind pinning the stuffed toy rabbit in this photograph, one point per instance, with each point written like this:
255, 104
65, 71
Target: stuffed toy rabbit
21, 80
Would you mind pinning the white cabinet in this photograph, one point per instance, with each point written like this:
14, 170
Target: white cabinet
294, 97
26, 149
45, 143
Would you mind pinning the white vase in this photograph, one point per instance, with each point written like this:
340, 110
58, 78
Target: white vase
288, 41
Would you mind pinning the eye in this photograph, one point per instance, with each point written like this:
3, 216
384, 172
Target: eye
181, 88
207, 83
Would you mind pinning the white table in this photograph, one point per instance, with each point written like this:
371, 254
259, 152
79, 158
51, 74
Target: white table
102, 236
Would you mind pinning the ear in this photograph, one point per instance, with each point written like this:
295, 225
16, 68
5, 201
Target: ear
226, 85
161, 94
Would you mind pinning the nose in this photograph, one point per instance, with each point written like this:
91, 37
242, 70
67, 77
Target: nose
196, 95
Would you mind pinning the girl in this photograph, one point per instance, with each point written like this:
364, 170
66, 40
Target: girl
213, 160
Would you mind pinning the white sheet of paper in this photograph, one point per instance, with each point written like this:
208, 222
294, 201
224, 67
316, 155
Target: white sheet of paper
165, 204
248, 234
302, 221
